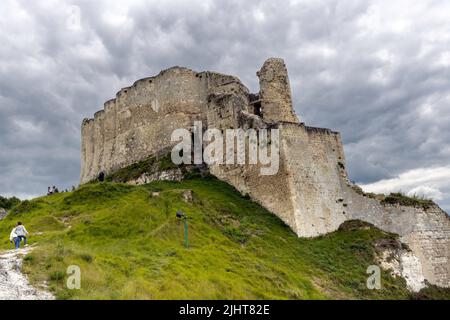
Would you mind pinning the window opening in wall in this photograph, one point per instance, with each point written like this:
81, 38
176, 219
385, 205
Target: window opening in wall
255, 105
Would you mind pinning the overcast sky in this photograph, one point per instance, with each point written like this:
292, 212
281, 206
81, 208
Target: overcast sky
377, 71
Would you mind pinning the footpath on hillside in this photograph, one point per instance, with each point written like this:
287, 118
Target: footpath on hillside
13, 284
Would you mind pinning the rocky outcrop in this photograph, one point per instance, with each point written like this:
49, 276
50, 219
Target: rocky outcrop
166, 175
3, 213
400, 261
425, 229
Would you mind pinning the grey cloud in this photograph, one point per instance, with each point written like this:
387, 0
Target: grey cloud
376, 73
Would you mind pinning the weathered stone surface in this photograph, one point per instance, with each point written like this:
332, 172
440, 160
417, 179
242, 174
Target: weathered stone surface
275, 94
165, 175
401, 262
3, 213
188, 196
311, 191
425, 231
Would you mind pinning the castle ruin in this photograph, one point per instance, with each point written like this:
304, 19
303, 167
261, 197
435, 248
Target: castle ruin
311, 192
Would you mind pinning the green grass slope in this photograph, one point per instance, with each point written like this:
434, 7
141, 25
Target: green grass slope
129, 245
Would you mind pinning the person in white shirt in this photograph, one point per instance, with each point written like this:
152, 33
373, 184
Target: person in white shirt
18, 234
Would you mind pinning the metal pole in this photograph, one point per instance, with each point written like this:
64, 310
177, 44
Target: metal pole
186, 241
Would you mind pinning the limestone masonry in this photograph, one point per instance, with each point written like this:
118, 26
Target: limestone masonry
311, 192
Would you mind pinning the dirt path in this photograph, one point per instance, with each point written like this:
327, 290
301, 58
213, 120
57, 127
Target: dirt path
13, 284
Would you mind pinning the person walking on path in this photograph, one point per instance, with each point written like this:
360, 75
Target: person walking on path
18, 234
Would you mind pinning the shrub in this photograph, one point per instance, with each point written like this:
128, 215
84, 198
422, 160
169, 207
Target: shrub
246, 196
403, 200
166, 163
8, 203
86, 257
25, 207
96, 193
57, 275
29, 258
133, 171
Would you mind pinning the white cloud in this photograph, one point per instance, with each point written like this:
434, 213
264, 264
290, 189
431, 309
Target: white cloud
27, 127
428, 182
22, 196
427, 192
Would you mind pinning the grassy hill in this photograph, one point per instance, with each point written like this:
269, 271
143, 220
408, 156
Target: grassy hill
129, 245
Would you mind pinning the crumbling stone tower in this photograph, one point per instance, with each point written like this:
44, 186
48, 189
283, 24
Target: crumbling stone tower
310, 193
275, 94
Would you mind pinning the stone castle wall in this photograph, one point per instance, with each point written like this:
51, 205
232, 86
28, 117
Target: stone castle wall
311, 192
140, 120
425, 231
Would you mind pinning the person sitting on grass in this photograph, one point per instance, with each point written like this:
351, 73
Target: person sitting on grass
18, 234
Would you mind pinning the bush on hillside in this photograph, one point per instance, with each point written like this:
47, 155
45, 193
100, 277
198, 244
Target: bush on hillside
403, 200
8, 203
25, 207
